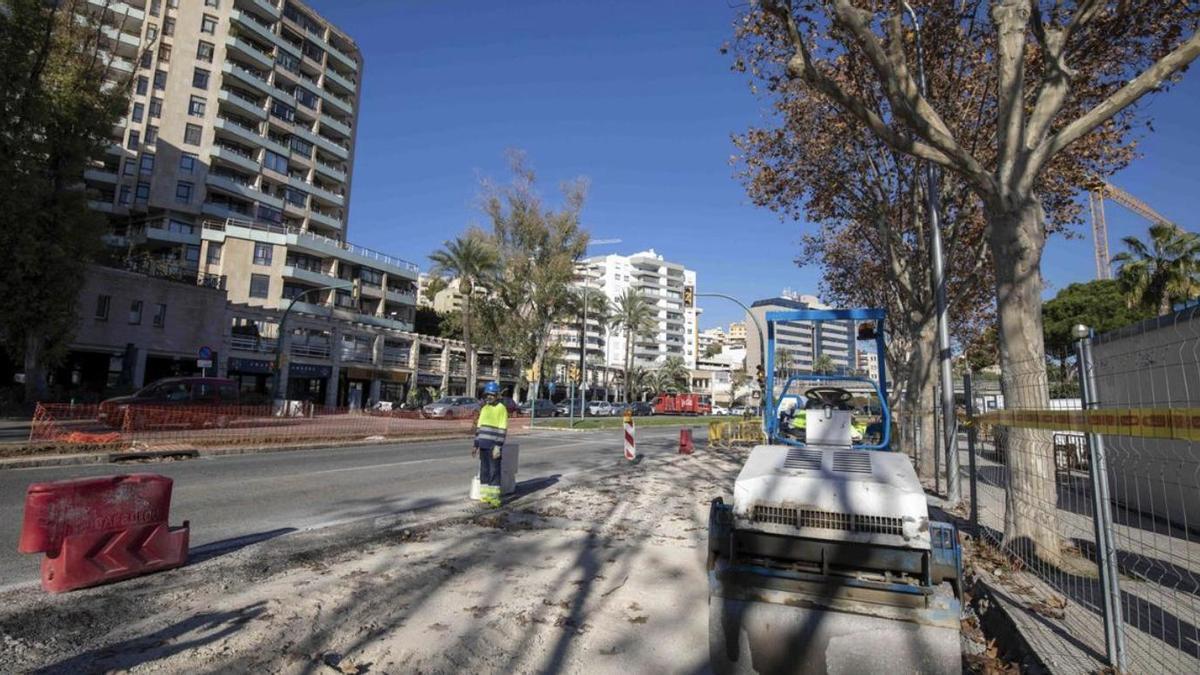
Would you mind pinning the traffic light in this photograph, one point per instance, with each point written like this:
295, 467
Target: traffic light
689, 296
866, 330
761, 377
574, 370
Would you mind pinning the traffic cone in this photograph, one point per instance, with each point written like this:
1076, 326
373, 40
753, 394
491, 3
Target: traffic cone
685, 441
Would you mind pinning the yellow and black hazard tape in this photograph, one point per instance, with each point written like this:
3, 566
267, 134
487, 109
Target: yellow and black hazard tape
1181, 424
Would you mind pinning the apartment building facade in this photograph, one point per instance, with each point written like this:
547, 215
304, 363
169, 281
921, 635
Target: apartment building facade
235, 159
668, 287
803, 342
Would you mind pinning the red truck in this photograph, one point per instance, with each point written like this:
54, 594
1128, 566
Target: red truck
682, 404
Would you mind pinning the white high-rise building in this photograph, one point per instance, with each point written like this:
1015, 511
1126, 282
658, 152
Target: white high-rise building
664, 285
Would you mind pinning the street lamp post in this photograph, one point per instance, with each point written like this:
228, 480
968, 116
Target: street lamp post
939, 294
281, 379
762, 344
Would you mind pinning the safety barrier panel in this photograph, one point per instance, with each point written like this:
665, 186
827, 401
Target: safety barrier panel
163, 428
97, 530
740, 432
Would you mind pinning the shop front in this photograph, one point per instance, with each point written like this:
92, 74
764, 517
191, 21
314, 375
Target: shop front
255, 378
307, 382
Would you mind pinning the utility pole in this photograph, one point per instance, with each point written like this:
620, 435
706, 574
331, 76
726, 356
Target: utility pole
939, 295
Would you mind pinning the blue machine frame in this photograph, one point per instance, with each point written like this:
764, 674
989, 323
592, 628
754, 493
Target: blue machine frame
771, 421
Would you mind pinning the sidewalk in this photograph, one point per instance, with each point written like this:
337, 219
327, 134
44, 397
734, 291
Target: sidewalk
606, 576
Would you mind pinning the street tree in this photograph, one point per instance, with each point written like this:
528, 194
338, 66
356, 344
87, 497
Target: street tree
1157, 275
1100, 305
673, 374
1044, 76
473, 262
59, 101
538, 247
823, 365
633, 317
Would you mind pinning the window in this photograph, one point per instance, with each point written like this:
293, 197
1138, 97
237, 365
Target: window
306, 97
187, 163
138, 111
155, 107
102, 304
214, 252
287, 61
147, 165
183, 192
180, 227
191, 134
212, 3
143, 192
301, 146
191, 253
276, 162
144, 61
196, 106
263, 253
208, 24
283, 111
130, 167
143, 83
135, 139
204, 52
152, 32
155, 5
260, 285
200, 78
160, 315
294, 196
169, 26
160, 79
269, 213
151, 134
164, 53
370, 277
135, 312
124, 195
173, 4
312, 51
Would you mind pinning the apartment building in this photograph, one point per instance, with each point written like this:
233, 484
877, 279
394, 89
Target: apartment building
235, 159
802, 341
667, 286
448, 299
737, 335
710, 337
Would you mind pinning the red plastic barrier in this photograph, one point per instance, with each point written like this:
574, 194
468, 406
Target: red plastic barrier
685, 442
97, 530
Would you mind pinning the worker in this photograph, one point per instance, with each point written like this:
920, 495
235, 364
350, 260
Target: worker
799, 424
490, 434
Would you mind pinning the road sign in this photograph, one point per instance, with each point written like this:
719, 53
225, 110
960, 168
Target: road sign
204, 357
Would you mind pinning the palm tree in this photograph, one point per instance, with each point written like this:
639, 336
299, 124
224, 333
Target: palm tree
673, 373
1166, 271
634, 316
473, 261
823, 365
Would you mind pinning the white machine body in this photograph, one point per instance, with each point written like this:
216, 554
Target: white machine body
832, 494
827, 427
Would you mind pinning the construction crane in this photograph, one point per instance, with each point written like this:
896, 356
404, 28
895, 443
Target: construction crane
1096, 196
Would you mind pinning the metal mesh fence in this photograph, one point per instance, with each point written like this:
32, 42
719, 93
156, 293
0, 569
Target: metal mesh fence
75, 428
1049, 473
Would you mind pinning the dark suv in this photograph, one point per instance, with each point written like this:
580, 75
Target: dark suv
173, 391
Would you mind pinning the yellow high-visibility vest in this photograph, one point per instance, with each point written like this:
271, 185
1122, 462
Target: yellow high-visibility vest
495, 416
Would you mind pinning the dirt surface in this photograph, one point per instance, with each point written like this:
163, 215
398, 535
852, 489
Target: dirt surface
600, 577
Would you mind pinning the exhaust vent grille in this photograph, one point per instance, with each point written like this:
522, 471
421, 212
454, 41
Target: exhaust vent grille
852, 462
802, 458
826, 520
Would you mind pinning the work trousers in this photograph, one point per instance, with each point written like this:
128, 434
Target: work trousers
489, 469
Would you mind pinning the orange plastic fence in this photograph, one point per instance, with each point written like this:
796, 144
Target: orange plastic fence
149, 428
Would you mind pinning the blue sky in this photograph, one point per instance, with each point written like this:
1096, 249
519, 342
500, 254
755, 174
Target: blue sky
636, 96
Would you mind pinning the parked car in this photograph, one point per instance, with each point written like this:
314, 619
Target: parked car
542, 407
173, 391
564, 408
599, 408
718, 410
451, 407
737, 410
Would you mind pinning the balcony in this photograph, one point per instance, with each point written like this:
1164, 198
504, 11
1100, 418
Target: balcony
243, 104
352, 315
222, 211
327, 221
395, 358
249, 51
331, 74
309, 351
357, 354
335, 100
132, 17
241, 189
308, 276
327, 195
267, 7
240, 130
408, 297
430, 364
247, 76
254, 25
251, 343
331, 171
342, 57
101, 175
337, 126
333, 147
235, 157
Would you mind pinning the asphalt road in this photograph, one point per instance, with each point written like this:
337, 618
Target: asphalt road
247, 497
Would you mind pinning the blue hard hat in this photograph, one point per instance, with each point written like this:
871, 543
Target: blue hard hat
491, 388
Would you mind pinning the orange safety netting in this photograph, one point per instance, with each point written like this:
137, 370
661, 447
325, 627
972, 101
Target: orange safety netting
176, 427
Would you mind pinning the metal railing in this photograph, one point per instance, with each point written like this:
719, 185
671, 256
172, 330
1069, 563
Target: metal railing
250, 343
283, 229
310, 351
